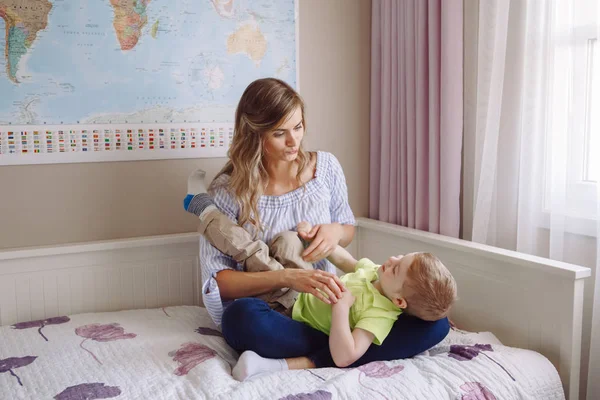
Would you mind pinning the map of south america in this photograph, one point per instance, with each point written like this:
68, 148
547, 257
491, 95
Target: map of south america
23, 20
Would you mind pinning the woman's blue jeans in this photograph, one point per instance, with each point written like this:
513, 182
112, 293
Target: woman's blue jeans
249, 324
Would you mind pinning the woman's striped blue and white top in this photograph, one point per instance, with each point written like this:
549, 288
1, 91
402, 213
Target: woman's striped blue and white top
325, 200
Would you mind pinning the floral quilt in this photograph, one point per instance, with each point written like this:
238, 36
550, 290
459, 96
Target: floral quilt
177, 353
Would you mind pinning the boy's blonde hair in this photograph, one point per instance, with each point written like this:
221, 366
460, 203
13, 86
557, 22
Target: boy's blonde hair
429, 289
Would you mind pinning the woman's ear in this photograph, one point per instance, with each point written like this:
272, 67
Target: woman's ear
400, 302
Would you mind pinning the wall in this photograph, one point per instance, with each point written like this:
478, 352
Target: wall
63, 203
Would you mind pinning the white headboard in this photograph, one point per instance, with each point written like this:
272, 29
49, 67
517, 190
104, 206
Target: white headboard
526, 301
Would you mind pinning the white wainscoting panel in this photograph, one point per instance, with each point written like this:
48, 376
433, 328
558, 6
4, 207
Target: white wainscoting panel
104, 276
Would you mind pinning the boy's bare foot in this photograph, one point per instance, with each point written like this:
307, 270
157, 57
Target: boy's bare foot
304, 228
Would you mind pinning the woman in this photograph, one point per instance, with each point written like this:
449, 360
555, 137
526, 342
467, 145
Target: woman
270, 185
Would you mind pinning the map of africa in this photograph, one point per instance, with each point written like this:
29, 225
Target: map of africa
132, 61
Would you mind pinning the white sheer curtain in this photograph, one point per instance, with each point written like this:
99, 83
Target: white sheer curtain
593, 387
530, 131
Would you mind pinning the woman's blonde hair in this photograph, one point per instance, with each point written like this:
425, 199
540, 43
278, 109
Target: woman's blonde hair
264, 106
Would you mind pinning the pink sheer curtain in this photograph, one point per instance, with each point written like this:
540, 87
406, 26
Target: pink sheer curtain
417, 113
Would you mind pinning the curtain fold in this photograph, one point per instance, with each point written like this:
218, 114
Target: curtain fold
416, 114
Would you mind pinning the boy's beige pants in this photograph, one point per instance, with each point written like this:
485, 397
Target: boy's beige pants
284, 251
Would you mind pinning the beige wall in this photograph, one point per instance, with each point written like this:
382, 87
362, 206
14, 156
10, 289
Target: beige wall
63, 203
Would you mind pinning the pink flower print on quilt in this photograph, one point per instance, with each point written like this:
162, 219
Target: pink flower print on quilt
8, 364
88, 391
476, 391
189, 355
378, 370
102, 333
467, 353
40, 323
318, 395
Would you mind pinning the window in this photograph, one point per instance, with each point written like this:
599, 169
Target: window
592, 138
572, 161
584, 163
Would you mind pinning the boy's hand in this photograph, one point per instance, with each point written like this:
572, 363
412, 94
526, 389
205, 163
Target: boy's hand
347, 300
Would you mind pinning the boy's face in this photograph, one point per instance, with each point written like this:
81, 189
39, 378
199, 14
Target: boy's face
392, 275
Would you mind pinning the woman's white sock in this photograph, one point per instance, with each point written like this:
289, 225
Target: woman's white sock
251, 364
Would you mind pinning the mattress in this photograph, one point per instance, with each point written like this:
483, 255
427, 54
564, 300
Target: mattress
178, 353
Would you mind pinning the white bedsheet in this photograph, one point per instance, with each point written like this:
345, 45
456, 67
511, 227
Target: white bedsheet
162, 354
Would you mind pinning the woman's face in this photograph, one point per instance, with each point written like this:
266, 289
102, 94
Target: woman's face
282, 143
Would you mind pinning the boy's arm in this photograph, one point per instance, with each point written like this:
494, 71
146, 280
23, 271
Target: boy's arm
346, 346
342, 259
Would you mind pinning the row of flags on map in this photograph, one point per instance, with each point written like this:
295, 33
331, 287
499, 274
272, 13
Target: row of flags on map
21, 141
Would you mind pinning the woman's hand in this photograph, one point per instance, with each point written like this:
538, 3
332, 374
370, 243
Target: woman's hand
324, 285
325, 238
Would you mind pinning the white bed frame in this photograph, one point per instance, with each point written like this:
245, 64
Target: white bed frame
526, 301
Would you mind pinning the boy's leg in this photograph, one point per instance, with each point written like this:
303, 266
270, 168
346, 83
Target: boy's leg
221, 232
287, 248
227, 236
196, 186
236, 242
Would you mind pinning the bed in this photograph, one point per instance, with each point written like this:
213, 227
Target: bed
64, 334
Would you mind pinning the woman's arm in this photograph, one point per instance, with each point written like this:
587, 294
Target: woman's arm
347, 235
237, 284
340, 231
